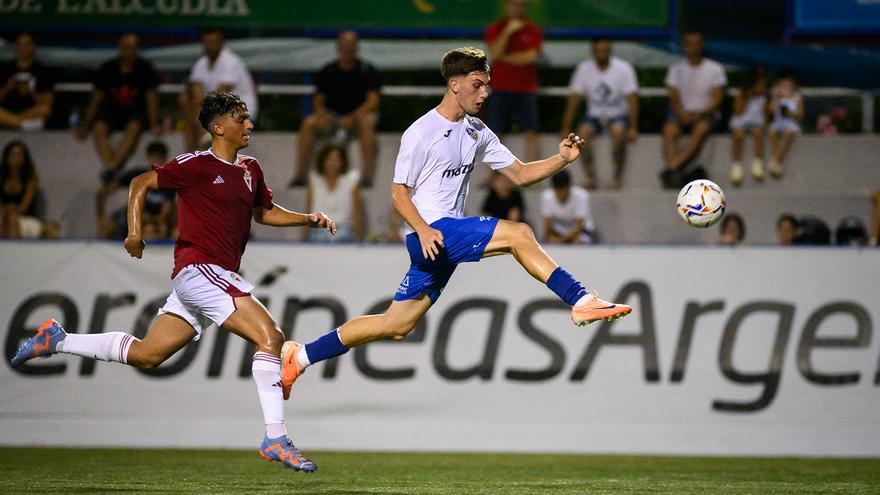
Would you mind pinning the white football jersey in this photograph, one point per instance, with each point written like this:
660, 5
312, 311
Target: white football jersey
436, 159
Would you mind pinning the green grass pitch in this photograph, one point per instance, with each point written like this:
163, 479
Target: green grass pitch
98, 471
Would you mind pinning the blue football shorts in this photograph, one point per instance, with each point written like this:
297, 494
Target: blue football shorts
464, 239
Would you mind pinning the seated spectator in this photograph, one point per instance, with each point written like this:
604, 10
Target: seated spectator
612, 92
346, 101
875, 220
19, 184
219, 69
566, 212
26, 95
125, 99
850, 232
334, 191
786, 229
749, 116
787, 106
813, 231
733, 230
504, 201
696, 89
158, 214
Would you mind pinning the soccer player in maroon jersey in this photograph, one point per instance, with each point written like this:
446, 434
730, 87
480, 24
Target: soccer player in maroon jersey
219, 191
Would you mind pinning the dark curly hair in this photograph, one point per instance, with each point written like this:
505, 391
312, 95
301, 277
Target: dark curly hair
463, 61
217, 104
325, 153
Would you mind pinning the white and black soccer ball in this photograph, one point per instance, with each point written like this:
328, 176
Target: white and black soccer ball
701, 203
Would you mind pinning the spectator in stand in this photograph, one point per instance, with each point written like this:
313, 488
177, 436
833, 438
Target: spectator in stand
158, 214
749, 116
787, 106
504, 201
125, 99
219, 69
733, 230
875, 220
26, 95
566, 212
612, 92
346, 102
19, 187
696, 89
514, 47
786, 229
334, 190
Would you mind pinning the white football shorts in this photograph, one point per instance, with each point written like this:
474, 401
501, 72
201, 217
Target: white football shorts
205, 294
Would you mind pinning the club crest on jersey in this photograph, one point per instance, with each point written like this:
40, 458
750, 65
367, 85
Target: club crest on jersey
472, 133
247, 180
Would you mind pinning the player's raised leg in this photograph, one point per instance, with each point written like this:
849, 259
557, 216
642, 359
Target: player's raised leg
252, 321
518, 239
394, 324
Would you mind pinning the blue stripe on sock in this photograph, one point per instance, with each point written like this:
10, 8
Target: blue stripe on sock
325, 347
564, 285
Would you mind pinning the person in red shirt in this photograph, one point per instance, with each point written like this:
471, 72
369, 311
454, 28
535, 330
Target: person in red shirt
514, 46
218, 191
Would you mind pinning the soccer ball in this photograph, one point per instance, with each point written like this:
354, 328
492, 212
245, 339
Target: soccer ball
701, 203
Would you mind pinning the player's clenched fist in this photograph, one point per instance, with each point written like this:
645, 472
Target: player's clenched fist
570, 147
134, 246
321, 221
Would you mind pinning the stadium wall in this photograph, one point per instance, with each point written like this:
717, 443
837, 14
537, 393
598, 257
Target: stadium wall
730, 351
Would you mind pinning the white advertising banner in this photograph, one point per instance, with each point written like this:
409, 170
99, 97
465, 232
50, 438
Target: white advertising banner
729, 351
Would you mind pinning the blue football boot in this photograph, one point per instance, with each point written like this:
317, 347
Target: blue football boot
43, 344
281, 449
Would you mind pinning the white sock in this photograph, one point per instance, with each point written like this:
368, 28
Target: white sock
302, 357
266, 370
110, 346
584, 300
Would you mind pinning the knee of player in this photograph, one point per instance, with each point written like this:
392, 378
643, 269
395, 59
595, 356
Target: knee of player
274, 339
147, 361
523, 233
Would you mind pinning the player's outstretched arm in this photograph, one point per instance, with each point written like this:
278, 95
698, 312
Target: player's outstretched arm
430, 239
279, 216
526, 174
137, 196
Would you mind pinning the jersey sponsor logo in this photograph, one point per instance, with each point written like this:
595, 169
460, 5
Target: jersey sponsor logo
247, 180
455, 172
219, 180
448, 132
472, 133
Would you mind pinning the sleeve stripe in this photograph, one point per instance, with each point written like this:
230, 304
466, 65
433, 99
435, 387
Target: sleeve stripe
184, 157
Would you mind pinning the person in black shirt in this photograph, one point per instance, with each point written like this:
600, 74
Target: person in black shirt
346, 100
125, 99
503, 200
26, 95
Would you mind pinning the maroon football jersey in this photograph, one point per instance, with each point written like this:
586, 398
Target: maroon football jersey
215, 201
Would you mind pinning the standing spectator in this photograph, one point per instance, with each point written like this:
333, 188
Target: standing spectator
514, 47
218, 69
733, 230
566, 212
696, 89
786, 229
749, 116
346, 101
612, 92
504, 201
788, 112
125, 99
26, 95
334, 190
19, 185
158, 209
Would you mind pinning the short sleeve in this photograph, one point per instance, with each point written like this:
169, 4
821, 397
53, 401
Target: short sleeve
578, 83
719, 78
264, 196
231, 71
151, 76
536, 38
495, 154
410, 159
195, 74
492, 32
104, 80
45, 79
547, 203
322, 80
177, 174
373, 81
631, 83
582, 208
672, 77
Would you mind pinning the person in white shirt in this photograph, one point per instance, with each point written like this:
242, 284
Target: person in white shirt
334, 190
437, 155
612, 92
696, 88
219, 69
749, 115
566, 211
787, 106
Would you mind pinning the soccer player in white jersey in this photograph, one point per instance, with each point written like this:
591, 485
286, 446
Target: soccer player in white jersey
437, 154
219, 191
